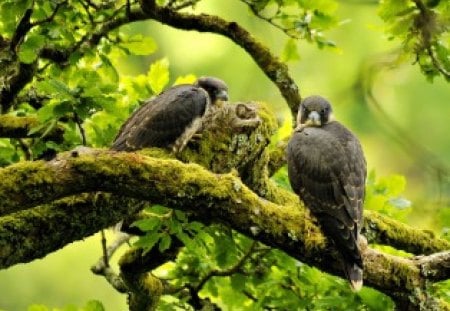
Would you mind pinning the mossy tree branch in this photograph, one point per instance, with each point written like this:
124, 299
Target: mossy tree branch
33, 224
19, 127
222, 197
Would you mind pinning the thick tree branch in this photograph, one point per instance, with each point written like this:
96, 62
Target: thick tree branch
222, 198
383, 230
435, 267
14, 76
34, 233
145, 289
19, 127
22, 29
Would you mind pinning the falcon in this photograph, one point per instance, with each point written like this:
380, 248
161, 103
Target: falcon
172, 118
327, 170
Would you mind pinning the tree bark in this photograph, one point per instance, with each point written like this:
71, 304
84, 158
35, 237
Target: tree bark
27, 205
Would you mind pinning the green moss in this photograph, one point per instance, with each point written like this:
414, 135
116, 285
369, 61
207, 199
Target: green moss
19, 127
25, 184
383, 230
159, 153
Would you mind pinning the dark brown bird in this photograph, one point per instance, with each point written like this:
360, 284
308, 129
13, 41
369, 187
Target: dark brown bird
171, 118
327, 169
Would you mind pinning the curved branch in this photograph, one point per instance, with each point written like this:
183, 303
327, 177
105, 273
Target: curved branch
383, 230
32, 234
274, 69
222, 198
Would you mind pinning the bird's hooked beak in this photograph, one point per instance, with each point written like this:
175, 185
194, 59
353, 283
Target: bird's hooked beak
313, 119
222, 95
221, 98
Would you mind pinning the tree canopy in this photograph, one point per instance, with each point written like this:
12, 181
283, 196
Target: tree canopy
221, 226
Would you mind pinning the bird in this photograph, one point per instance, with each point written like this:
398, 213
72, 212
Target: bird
327, 170
171, 119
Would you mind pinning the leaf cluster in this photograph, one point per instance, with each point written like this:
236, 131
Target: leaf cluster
423, 27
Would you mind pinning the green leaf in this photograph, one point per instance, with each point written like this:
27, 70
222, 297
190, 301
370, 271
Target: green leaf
109, 68
324, 6
29, 49
140, 45
45, 113
94, 305
164, 243
180, 215
238, 282
389, 9
36, 129
147, 242
174, 226
50, 126
148, 224
53, 86
62, 108
188, 79
158, 209
187, 241
158, 75
10, 13
290, 51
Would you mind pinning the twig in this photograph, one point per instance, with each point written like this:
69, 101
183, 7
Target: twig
102, 266
110, 250
270, 20
423, 21
26, 150
79, 123
104, 249
51, 17
437, 63
226, 272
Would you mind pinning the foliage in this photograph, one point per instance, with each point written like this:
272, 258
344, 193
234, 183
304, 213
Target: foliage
423, 27
384, 195
302, 19
79, 87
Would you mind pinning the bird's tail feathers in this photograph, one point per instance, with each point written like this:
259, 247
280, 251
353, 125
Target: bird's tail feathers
354, 274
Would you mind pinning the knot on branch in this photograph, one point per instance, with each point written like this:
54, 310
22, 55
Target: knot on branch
233, 137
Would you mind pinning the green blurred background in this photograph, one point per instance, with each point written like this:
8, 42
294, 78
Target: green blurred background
406, 131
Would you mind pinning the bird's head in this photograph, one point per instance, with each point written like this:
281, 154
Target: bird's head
314, 111
216, 89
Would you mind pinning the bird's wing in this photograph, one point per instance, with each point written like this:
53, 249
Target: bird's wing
160, 121
326, 171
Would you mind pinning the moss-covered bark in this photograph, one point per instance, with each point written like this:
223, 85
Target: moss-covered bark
240, 196
19, 127
383, 230
223, 198
36, 232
